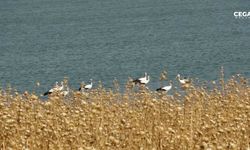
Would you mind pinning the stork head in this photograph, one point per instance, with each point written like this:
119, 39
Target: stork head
178, 76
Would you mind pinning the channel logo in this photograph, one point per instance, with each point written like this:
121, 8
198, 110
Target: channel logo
242, 14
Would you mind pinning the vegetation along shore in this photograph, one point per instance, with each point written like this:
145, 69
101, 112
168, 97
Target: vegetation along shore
211, 118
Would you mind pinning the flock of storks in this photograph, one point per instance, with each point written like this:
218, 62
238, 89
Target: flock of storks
185, 82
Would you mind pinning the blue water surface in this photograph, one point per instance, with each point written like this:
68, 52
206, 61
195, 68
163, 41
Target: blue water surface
47, 40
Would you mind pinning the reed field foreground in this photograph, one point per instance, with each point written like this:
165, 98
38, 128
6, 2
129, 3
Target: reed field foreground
211, 119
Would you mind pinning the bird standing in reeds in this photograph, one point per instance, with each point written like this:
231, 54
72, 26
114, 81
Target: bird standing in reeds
185, 82
65, 92
165, 88
56, 88
143, 80
86, 87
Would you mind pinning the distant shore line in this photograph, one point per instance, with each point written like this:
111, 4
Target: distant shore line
135, 85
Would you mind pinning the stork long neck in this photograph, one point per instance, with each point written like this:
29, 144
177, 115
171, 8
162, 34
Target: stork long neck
60, 87
56, 85
179, 78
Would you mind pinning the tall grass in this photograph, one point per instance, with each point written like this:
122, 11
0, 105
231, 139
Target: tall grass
216, 118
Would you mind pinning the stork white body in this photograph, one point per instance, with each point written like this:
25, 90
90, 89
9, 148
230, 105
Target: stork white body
143, 80
165, 88
87, 87
60, 88
56, 88
184, 80
66, 92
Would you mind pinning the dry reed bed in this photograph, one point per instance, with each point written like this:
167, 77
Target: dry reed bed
202, 119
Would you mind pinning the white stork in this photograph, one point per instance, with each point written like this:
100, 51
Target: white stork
165, 88
87, 87
65, 92
183, 80
56, 88
142, 80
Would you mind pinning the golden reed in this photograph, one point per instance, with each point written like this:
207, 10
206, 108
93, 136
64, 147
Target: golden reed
217, 118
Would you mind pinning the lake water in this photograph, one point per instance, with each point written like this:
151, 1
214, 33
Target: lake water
47, 40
